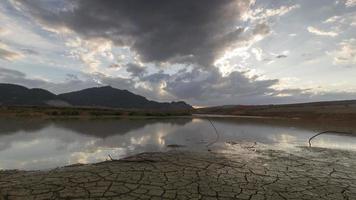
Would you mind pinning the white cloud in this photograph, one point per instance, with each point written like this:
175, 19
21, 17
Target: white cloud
258, 53
263, 14
332, 19
241, 49
350, 3
346, 19
321, 32
91, 52
346, 54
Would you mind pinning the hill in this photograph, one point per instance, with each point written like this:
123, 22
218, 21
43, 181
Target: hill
112, 97
314, 110
19, 95
106, 97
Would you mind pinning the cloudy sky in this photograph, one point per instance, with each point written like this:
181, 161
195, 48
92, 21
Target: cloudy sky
205, 52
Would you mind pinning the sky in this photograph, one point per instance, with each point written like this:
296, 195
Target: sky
204, 52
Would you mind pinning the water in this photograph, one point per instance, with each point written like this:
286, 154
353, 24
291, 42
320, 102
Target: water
43, 144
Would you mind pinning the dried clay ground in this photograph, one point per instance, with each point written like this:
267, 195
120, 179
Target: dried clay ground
244, 172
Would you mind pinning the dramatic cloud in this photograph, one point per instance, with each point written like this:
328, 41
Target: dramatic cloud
183, 32
204, 52
158, 30
321, 32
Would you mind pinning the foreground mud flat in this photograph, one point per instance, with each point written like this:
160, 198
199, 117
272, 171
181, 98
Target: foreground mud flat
244, 172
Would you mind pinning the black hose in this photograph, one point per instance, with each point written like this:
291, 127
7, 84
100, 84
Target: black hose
338, 132
216, 132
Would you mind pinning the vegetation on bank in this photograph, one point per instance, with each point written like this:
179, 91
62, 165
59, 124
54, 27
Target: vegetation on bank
336, 110
46, 111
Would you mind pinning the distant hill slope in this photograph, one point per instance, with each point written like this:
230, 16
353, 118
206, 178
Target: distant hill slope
11, 94
329, 109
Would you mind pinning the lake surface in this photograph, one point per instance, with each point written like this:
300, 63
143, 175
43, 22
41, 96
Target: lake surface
42, 144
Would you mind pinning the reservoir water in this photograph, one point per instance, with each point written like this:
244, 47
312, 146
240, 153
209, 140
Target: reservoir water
33, 144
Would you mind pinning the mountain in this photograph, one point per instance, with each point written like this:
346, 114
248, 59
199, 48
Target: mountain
116, 98
19, 95
92, 97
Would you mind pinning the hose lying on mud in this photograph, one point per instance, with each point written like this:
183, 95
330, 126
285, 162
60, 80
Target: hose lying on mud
337, 132
217, 135
110, 158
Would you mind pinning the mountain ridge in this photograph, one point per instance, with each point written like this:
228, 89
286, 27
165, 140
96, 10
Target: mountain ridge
106, 96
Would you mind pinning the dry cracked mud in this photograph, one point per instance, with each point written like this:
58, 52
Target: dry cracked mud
247, 173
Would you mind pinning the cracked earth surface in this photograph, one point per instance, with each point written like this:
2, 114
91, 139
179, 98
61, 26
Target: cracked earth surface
248, 173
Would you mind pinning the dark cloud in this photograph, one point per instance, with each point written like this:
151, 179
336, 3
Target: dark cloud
200, 85
156, 77
114, 65
158, 30
261, 29
207, 87
165, 32
135, 70
281, 56
203, 86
